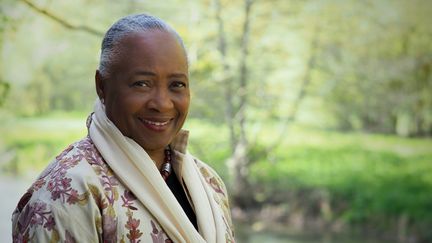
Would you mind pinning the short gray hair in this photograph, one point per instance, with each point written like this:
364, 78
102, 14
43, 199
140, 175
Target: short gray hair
125, 26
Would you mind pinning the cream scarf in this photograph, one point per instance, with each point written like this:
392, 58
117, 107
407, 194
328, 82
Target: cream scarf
137, 171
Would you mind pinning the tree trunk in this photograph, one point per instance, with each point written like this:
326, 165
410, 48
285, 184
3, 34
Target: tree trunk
227, 81
235, 114
239, 161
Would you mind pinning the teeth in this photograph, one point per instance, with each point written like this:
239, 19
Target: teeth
156, 123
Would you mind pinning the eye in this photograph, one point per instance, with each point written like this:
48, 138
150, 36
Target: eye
141, 83
178, 84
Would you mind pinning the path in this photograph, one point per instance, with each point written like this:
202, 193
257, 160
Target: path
11, 189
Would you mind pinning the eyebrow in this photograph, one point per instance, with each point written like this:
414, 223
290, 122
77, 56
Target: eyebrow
148, 73
178, 75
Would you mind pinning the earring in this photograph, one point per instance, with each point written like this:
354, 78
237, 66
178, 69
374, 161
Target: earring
102, 100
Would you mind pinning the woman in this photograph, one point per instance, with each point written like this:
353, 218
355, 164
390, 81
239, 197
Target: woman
131, 179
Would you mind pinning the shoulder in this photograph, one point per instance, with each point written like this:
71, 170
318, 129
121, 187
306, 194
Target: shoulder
215, 182
211, 176
75, 166
65, 180
61, 195
74, 174
218, 186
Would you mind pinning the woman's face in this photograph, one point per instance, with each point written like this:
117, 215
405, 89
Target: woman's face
147, 92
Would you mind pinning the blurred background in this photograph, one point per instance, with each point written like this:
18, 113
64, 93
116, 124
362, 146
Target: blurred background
316, 113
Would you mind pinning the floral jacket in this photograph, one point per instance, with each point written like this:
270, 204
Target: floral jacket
79, 199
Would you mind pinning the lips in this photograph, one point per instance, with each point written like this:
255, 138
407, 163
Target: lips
156, 124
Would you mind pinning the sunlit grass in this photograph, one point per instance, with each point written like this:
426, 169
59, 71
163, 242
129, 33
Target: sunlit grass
34, 142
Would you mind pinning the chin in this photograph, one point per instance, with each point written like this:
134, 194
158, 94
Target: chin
156, 145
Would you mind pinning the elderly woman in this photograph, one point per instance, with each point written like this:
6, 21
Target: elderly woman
131, 179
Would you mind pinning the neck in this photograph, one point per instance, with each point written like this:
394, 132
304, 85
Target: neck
158, 157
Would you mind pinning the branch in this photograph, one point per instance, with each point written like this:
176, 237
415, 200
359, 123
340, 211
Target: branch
63, 22
4, 91
301, 95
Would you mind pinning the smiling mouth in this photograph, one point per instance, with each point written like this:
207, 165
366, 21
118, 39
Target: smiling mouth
155, 125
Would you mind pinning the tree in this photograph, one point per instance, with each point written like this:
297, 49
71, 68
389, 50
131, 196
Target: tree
237, 91
378, 79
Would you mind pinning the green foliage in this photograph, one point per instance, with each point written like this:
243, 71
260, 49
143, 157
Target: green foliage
375, 182
366, 179
368, 63
378, 70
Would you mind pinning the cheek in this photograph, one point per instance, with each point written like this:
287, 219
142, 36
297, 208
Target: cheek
121, 107
184, 103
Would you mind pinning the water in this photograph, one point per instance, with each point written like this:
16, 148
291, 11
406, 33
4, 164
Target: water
245, 234
11, 189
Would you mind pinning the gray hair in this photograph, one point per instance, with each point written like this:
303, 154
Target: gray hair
125, 26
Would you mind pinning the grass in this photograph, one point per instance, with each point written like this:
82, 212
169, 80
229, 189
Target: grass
367, 178
34, 142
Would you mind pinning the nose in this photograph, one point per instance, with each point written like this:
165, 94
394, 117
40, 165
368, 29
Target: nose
160, 100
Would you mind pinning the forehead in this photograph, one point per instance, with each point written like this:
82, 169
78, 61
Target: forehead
151, 42
150, 49
149, 38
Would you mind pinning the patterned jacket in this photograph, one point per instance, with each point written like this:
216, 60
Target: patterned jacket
78, 198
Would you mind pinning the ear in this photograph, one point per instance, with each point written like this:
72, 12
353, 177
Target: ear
100, 85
